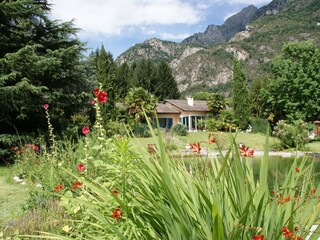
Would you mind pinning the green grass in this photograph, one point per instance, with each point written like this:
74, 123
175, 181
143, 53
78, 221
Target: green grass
12, 196
253, 140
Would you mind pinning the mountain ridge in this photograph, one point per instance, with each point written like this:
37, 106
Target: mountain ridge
198, 66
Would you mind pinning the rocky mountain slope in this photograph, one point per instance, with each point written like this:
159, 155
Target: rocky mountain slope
199, 67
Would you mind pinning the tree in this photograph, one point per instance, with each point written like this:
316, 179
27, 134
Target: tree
216, 103
106, 74
164, 85
240, 96
122, 80
258, 85
40, 62
143, 72
139, 101
293, 93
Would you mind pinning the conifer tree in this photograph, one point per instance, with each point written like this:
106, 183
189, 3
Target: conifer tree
241, 103
106, 73
165, 86
40, 62
122, 80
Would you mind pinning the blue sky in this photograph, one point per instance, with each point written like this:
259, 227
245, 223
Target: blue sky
120, 24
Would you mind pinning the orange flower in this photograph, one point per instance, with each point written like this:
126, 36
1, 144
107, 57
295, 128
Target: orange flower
58, 188
313, 191
211, 140
258, 237
246, 152
195, 147
117, 213
282, 200
77, 184
115, 191
297, 170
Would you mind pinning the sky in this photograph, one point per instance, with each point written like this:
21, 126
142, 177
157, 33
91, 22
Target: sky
120, 24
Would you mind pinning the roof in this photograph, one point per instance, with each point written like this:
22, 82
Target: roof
198, 105
163, 108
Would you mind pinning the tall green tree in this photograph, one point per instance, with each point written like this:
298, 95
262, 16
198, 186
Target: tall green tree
255, 96
294, 91
143, 73
164, 84
122, 80
241, 102
40, 62
106, 75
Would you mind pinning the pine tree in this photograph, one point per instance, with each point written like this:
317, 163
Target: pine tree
40, 62
165, 86
122, 80
241, 103
106, 73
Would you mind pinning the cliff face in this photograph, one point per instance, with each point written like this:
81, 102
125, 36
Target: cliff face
219, 34
199, 66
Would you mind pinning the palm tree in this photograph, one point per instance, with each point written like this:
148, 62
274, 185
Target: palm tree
216, 103
139, 101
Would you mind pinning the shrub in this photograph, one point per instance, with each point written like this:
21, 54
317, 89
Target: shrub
179, 129
141, 130
292, 135
259, 125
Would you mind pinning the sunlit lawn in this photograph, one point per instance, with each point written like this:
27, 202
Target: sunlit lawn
253, 140
12, 196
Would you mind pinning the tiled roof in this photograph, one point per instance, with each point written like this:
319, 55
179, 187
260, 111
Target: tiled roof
163, 108
198, 105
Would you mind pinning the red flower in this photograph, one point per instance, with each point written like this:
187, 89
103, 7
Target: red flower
58, 188
81, 167
102, 96
77, 184
258, 237
96, 91
211, 140
297, 170
244, 151
282, 200
195, 147
46, 106
115, 191
85, 130
313, 191
93, 102
117, 213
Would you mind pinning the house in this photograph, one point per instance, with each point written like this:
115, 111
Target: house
188, 112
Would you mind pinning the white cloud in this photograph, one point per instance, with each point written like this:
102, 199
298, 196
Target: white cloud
229, 15
112, 17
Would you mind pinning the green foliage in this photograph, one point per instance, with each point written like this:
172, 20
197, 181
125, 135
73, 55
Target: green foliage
241, 104
140, 102
225, 121
292, 135
201, 96
179, 129
40, 62
259, 125
141, 130
293, 93
255, 97
216, 103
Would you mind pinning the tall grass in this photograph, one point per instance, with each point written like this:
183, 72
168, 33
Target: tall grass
141, 196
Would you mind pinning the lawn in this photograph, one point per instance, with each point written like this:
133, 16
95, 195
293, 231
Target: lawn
12, 196
253, 140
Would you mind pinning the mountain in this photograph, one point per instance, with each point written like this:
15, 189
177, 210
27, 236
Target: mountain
198, 66
218, 34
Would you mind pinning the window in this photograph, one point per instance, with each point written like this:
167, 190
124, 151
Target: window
165, 122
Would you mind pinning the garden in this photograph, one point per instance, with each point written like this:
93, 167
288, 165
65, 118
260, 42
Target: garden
113, 188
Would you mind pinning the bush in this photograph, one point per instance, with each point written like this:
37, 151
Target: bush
141, 130
292, 135
259, 125
179, 129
